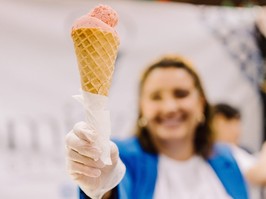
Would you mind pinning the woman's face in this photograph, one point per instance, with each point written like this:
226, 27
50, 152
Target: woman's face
171, 104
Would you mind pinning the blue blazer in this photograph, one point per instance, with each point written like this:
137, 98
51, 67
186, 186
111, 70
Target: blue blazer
141, 172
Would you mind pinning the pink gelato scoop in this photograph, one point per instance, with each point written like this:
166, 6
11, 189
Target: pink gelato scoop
102, 16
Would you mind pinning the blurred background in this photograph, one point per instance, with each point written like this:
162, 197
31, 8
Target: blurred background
38, 72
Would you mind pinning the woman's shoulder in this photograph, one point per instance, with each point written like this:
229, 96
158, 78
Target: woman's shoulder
226, 166
222, 148
227, 155
222, 152
231, 151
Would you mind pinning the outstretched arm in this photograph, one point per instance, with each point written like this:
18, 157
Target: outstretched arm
85, 166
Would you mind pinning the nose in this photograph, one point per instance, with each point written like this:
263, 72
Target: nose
169, 105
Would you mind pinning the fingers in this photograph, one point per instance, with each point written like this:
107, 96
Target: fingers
76, 157
83, 132
86, 183
114, 152
78, 168
81, 146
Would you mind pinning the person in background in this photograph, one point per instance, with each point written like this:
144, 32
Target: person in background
173, 153
226, 124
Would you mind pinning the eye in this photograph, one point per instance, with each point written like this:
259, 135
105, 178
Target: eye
155, 96
179, 93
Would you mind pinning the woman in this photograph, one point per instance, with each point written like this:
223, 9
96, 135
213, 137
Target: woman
172, 155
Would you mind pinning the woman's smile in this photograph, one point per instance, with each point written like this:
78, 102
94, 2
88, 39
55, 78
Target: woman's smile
173, 121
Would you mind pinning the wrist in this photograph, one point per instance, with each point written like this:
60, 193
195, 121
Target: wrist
111, 181
115, 176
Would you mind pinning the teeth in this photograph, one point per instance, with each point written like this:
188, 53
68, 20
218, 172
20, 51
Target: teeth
171, 122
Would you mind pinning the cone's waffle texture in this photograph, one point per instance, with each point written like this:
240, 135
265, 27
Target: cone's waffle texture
96, 52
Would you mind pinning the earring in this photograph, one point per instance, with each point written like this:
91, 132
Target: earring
142, 122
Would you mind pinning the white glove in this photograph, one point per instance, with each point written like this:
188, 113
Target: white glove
84, 164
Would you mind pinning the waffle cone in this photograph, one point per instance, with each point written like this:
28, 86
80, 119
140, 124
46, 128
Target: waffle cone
96, 52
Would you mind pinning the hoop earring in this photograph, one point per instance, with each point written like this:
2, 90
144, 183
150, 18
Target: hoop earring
142, 122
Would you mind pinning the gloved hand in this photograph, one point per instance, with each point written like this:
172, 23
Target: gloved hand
84, 164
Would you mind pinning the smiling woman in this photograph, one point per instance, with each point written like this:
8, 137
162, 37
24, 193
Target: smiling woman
172, 151
174, 108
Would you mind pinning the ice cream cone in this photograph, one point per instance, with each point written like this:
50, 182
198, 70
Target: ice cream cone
96, 53
96, 46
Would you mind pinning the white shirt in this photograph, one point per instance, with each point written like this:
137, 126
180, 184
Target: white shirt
190, 179
195, 178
